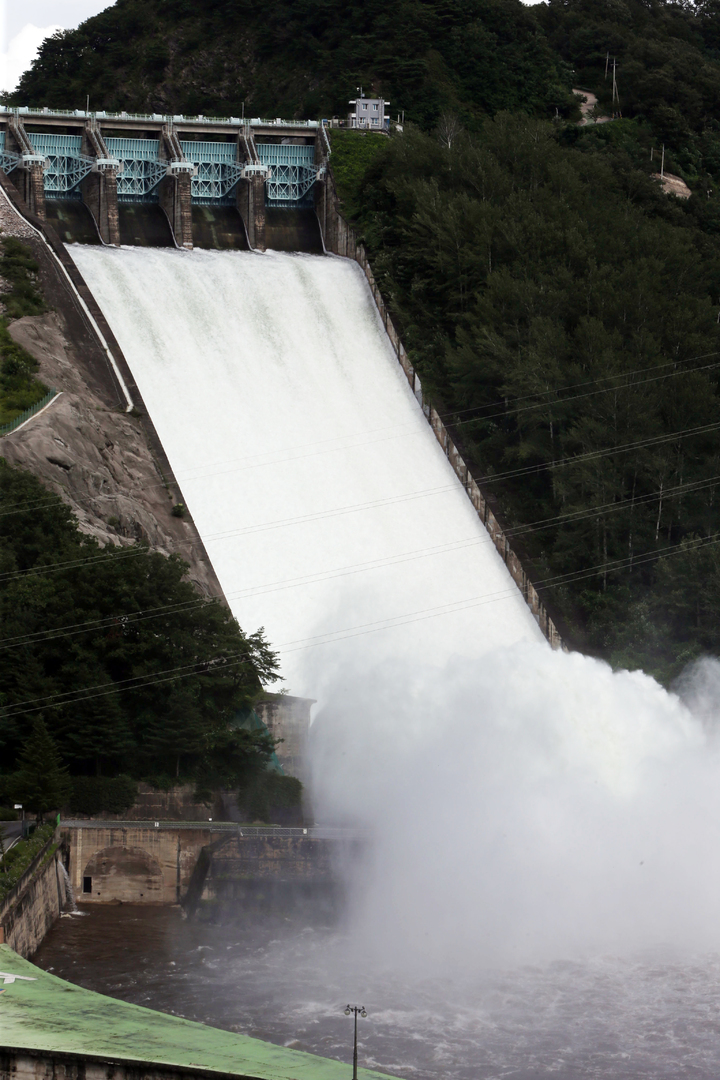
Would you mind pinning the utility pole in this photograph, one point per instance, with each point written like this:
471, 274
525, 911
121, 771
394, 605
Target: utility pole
662, 166
607, 61
615, 94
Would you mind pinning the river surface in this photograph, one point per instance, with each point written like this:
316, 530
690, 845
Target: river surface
651, 1017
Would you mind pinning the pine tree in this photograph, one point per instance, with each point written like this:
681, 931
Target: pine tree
41, 782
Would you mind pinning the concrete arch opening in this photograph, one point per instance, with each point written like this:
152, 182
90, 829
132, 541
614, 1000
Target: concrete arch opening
122, 873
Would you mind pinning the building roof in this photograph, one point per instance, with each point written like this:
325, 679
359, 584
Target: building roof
44, 1014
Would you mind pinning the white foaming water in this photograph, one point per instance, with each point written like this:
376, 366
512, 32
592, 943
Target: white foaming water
528, 806
323, 498
69, 891
525, 805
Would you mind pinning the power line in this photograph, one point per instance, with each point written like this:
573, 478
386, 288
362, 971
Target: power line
191, 475
612, 507
123, 552
659, 440
301, 644
131, 618
503, 402
578, 397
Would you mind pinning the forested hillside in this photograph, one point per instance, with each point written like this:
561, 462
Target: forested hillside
563, 311
132, 669
289, 58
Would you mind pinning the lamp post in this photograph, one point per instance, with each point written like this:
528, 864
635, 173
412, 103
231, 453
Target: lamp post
355, 1009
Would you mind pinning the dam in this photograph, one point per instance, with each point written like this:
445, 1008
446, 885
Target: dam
541, 896
119, 178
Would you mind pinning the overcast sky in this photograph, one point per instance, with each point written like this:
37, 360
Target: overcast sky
26, 22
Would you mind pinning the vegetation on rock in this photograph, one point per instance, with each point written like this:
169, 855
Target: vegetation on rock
16, 861
19, 387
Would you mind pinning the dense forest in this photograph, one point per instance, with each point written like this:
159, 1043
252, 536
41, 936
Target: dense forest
301, 58
563, 311
131, 669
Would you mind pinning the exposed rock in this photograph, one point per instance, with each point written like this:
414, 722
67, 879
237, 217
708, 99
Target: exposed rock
673, 185
96, 458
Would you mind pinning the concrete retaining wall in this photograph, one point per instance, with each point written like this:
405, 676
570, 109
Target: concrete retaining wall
35, 903
340, 239
148, 864
39, 1065
137, 864
155, 864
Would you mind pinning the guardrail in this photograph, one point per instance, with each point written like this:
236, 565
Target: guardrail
315, 832
5, 429
81, 114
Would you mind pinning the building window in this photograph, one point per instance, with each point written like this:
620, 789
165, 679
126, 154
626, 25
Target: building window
364, 106
87, 884
375, 108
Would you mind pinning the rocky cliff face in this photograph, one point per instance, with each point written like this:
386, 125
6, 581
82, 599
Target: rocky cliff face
95, 457
106, 464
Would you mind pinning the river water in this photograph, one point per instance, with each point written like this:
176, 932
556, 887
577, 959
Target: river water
653, 1016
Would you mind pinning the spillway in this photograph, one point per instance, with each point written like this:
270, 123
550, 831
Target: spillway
330, 512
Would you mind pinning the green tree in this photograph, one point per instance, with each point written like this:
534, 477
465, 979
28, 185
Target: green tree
137, 671
41, 782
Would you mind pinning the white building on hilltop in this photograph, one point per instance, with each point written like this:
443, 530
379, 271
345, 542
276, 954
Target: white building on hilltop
369, 114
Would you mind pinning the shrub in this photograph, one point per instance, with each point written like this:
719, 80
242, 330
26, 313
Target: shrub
102, 794
178, 510
272, 795
6, 814
19, 387
19, 857
19, 269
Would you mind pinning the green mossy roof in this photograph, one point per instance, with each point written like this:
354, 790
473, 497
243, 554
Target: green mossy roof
50, 1015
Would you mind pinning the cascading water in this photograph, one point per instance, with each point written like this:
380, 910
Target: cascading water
326, 504
527, 807
69, 891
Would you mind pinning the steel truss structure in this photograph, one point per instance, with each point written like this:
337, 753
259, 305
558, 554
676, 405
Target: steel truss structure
217, 170
8, 160
65, 164
293, 171
141, 167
